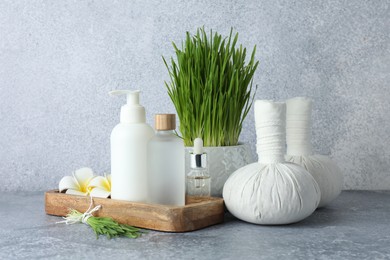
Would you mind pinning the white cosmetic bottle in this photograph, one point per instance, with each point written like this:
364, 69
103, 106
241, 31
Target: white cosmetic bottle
129, 140
166, 163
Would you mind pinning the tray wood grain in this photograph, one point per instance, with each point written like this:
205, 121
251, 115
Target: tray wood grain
199, 212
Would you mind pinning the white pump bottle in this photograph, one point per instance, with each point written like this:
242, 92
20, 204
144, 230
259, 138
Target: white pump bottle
129, 141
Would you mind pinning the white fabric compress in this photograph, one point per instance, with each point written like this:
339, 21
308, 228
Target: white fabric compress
271, 191
299, 150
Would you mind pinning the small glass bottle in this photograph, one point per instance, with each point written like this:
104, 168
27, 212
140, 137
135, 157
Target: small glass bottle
166, 163
198, 179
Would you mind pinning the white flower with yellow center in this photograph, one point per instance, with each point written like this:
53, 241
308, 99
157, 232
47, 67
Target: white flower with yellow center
100, 186
77, 184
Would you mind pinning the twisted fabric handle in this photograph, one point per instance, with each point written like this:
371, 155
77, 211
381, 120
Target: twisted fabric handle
270, 120
298, 126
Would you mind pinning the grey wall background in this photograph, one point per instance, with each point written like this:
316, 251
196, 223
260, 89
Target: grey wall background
58, 60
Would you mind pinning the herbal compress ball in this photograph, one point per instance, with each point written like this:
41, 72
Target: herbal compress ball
271, 191
299, 150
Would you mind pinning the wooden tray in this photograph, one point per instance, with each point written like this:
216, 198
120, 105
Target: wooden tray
199, 212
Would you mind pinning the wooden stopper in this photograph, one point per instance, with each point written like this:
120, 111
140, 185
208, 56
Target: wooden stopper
165, 122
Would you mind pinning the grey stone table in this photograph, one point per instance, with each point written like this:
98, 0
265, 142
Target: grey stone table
355, 226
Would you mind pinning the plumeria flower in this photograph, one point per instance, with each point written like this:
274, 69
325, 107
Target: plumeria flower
77, 184
100, 186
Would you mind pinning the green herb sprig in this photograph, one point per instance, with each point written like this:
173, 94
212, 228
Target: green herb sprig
211, 87
106, 226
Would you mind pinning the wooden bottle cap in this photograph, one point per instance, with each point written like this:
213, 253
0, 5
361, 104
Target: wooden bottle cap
165, 122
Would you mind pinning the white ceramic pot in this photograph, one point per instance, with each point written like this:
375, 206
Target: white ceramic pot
221, 162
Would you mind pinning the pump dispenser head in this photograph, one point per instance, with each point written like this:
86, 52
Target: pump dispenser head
132, 112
